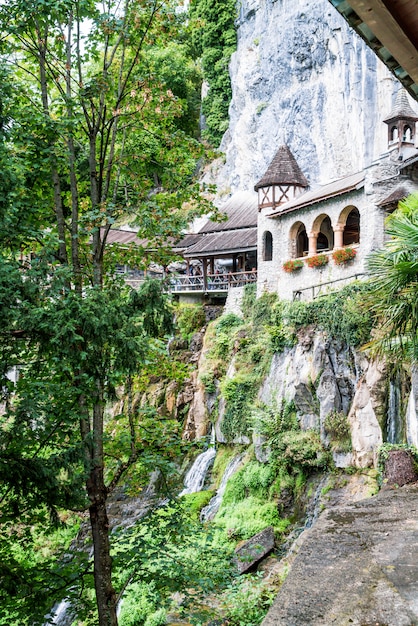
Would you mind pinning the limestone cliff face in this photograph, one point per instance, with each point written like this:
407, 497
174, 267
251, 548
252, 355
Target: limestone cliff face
301, 76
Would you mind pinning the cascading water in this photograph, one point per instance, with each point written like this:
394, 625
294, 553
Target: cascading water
63, 616
208, 512
196, 475
393, 418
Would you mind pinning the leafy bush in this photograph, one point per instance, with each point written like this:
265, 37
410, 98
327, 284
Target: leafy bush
249, 517
140, 601
247, 601
190, 319
249, 299
228, 321
238, 392
343, 314
337, 426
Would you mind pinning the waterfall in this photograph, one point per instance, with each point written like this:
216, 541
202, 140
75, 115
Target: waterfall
411, 421
393, 418
63, 616
208, 512
196, 475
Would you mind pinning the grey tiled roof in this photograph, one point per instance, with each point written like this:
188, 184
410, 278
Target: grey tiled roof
401, 109
283, 170
241, 210
224, 242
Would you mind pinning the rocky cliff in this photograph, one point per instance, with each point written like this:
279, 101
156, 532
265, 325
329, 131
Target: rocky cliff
301, 76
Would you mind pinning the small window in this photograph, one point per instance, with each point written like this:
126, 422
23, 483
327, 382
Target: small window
394, 135
407, 134
267, 246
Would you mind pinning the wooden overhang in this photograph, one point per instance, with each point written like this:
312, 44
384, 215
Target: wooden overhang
390, 29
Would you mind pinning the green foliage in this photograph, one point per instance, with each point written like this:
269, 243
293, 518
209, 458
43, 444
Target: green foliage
238, 393
215, 41
248, 517
343, 314
247, 601
338, 428
190, 318
224, 329
171, 551
194, 502
394, 272
227, 322
139, 607
249, 299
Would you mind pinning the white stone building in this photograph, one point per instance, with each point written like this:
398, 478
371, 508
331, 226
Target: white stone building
305, 231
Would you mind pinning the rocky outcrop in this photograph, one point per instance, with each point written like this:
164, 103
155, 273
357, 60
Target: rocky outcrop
321, 377
358, 565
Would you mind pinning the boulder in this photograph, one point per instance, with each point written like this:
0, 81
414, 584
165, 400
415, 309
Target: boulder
252, 551
400, 468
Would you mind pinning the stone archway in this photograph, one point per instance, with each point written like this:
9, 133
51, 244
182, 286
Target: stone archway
298, 240
347, 231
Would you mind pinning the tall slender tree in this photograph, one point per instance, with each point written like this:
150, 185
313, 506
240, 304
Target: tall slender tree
89, 133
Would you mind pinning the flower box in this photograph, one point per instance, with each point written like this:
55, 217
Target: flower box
293, 265
318, 260
343, 255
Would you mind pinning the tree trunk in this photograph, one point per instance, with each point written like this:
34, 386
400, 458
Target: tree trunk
105, 594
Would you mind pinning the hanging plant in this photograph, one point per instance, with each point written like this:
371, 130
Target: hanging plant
293, 265
319, 260
344, 255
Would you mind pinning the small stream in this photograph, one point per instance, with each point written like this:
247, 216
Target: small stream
208, 512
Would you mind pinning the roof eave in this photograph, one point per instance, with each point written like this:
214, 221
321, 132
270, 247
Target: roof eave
317, 201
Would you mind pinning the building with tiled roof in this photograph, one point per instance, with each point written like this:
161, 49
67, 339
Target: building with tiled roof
309, 225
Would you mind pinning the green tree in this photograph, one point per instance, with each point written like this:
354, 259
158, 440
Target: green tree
88, 133
394, 271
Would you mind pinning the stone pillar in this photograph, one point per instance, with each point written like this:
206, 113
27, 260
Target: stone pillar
339, 236
313, 236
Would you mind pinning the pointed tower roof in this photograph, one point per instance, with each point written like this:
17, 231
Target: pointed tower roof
283, 170
402, 109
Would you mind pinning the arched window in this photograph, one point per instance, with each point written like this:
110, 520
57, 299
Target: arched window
267, 246
325, 240
302, 241
298, 240
352, 228
407, 134
394, 133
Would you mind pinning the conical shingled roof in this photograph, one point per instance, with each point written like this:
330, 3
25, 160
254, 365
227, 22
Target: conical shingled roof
402, 109
283, 170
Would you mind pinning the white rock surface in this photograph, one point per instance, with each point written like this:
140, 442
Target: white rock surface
301, 76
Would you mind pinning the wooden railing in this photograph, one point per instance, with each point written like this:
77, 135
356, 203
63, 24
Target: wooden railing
212, 282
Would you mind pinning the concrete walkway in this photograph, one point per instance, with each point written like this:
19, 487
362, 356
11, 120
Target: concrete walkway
358, 566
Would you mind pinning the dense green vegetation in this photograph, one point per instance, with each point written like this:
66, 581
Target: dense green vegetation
214, 38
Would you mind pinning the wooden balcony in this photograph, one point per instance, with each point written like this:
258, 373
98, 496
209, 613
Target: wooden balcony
211, 282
